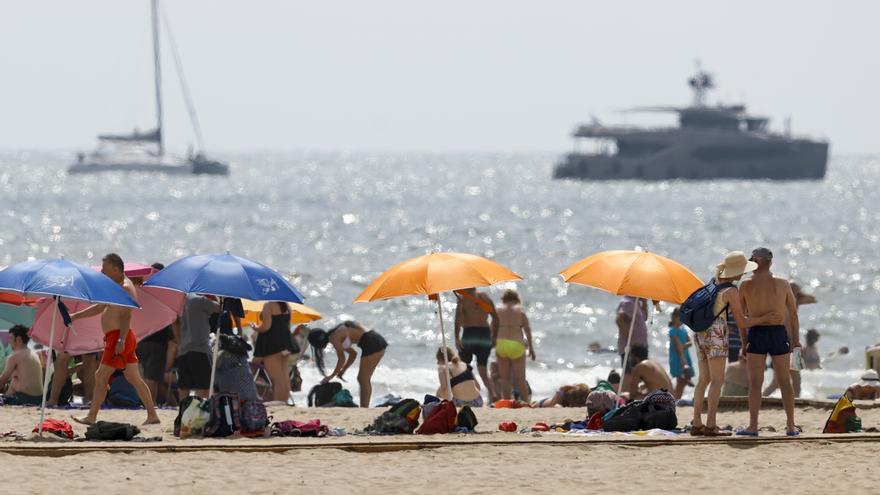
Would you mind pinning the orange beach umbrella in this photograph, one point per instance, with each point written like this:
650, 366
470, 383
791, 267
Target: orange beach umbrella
299, 313
634, 273
433, 273
637, 274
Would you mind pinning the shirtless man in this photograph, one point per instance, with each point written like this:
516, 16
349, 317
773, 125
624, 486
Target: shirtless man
472, 314
120, 345
644, 370
23, 371
764, 294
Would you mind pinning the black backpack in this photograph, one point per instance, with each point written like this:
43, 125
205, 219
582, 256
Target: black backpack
698, 310
225, 416
626, 418
321, 395
466, 418
108, 430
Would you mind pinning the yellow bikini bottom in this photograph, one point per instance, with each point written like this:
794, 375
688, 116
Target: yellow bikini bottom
509, 349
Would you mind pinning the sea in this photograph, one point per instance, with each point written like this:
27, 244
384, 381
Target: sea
332, 221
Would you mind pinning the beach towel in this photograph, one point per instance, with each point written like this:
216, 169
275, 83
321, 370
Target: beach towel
58, 427
476, 300
290, 428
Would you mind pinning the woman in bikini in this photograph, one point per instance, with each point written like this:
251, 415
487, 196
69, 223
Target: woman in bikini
712, 344
273, 345
510, 348
342, 337
465, 389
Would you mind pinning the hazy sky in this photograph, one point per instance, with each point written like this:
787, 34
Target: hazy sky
494, 75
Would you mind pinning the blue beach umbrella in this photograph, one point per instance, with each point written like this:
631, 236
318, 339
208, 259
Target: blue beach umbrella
59, 278
225, 275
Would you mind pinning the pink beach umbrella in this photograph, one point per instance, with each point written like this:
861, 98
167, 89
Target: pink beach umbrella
159, 308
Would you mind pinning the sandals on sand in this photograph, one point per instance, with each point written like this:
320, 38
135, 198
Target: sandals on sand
742, 432
698, 431
715, 432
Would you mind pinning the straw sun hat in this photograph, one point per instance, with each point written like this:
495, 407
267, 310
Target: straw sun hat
735, 264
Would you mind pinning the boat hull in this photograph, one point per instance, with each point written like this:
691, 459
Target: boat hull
189, 167
774, 160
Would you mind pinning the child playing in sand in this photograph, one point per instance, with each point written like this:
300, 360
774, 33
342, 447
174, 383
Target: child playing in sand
680, 365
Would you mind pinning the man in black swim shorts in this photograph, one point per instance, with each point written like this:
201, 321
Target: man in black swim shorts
472, 314
765, 294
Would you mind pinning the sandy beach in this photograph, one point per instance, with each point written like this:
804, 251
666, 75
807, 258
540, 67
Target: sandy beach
812, 463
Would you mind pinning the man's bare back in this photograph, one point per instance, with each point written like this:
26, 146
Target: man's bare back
653, 375
472, 315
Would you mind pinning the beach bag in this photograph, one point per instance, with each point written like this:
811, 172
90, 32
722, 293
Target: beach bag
626, 418
595, 421
466, 418
402, 417
698, 310
181, 407
58, 427
343, 398
601, 401
409, 409
254, 419
194, 419
290, 428
108, 430
234, 345
656, 415
122, 393
225, 417
234, 377
321, 395
441, 420
843, 411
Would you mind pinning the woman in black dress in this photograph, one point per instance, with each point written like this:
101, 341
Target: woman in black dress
273, 345
342, 337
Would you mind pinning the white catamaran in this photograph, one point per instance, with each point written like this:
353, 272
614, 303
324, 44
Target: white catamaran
145, 151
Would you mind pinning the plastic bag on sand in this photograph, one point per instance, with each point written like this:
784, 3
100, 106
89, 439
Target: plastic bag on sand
194, 419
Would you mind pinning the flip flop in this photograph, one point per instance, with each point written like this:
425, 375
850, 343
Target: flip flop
742, 432
792, 433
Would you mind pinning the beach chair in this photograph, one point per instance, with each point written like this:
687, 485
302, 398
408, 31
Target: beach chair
262, 380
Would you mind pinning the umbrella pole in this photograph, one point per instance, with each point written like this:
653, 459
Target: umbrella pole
48, 365
443, 337
216, 351
629, 337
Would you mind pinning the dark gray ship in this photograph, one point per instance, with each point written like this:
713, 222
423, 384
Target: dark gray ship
711, 142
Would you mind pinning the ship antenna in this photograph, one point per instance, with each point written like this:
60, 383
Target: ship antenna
700, 83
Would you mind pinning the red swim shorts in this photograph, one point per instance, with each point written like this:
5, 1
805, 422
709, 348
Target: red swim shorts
128, 356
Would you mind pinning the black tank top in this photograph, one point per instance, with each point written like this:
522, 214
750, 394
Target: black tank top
276, 339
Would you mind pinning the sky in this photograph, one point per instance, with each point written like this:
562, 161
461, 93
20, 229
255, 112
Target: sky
490, 75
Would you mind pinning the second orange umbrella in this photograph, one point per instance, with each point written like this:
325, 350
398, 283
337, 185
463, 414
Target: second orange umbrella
433, 273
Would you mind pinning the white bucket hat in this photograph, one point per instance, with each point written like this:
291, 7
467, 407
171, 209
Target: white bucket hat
736, 264
870, 377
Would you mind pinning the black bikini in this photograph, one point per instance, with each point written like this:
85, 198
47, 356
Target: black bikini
468, 374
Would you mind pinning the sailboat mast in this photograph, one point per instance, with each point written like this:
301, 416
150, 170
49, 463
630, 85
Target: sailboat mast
158, 74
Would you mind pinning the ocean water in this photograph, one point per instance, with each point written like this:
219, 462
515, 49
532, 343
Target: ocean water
333, 221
